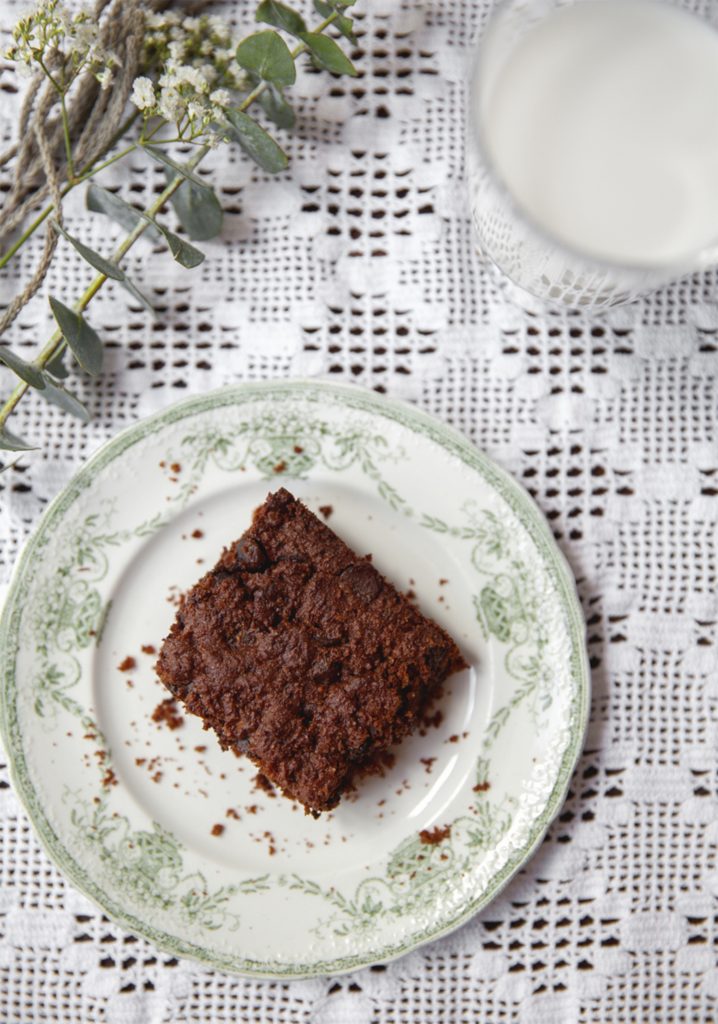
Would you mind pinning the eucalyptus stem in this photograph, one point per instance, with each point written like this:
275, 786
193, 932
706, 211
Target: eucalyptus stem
263, 149
87, 171
41, 217
56, 342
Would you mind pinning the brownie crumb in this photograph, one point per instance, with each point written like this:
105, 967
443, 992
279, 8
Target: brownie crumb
280, 467
109, 779
431, 837
217, 830
231, 813
139, 761
127, 664
298, 449
157, 777
442, 583
482, 787
149, 649
261, 782
197, 534
167, 712
252, 809
326, 510
433, 721
410, 595
176, 468
200, 750
427, 762
453, 739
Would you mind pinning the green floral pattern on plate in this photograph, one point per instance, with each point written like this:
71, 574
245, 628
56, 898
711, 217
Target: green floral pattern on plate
273, 430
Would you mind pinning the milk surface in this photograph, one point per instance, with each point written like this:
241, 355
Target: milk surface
603, 123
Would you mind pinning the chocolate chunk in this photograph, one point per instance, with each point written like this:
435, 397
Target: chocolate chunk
250, 555
362, 580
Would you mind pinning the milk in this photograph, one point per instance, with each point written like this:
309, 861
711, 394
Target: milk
602, 121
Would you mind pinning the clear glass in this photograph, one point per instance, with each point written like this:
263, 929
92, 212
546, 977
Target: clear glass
522, 250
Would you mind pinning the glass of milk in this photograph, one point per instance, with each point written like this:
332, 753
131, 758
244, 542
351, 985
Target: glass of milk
592, 146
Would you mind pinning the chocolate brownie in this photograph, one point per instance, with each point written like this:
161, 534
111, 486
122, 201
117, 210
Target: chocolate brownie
299, 654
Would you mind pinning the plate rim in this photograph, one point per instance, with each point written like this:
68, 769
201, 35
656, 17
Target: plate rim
358, 397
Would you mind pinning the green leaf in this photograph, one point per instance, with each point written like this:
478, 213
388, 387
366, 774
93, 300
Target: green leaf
327, 54
102, 201
161, 157
99, 200
267, 55
184, 253
256, 142
137, 294
65, 400
93, 258
21, 368
83, 341
104, 266
57, 367
198, 210
344, 24
10, 442
271, 12
276, 108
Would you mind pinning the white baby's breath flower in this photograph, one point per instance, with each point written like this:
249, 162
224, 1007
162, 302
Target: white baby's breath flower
143, 93
105, 77
218, 27
171, 106
197, 112
209, 73
177, 49
220, 98
190, 24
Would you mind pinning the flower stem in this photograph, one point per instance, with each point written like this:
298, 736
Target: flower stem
68, 140
87, 171
41, 217
56, 342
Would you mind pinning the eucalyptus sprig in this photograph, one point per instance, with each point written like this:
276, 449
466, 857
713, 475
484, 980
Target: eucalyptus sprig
196, 88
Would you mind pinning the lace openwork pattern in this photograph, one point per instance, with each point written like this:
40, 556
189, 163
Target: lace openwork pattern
359, 264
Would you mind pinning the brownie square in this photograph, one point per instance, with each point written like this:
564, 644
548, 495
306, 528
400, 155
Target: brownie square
299, 654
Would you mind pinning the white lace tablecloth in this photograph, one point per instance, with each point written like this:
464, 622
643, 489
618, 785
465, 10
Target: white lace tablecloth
359, 263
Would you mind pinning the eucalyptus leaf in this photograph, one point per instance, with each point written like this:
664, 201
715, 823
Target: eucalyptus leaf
84, 342
161, 157
198, 210
104, 266
137, 294
184, 253
10, 442
57, 367
65, 400
276, 107
102, 201
267, 55
21, 368
344, 24
93, 258
271, 12
99, 200
327, 54
256, 142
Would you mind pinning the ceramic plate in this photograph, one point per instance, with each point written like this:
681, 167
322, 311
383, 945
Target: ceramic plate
170, 835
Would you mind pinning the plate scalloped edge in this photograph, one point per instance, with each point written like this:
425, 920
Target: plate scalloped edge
446, 437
